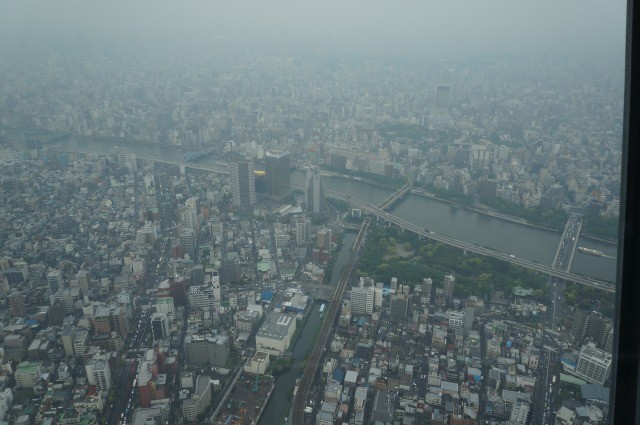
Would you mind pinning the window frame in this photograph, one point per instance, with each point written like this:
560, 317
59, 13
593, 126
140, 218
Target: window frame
625, 385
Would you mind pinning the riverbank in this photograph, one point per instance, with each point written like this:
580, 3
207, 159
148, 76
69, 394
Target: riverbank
491, 212
485, 210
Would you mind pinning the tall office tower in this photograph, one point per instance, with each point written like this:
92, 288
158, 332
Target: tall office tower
399, 306
243, 185
314, 191
188, 242
427, 284
278, 173
16, 304
302, 230
54, 280
159, 326
189, 213
323, 240
197, 275
447, 287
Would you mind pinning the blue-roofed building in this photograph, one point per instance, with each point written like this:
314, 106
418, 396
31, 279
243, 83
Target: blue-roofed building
267, 295
338, 375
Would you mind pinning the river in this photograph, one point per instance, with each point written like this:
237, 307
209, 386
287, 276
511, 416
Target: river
469, 226
523, 241
279, 404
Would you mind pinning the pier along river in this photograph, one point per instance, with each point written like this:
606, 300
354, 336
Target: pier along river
473, 227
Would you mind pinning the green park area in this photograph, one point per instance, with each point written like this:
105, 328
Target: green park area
390, 252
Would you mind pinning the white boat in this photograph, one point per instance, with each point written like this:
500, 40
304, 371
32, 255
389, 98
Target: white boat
590, 251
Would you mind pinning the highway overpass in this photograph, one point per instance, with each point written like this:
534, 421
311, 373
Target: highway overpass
375, 210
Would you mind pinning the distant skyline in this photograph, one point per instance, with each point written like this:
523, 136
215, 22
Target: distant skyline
454, 27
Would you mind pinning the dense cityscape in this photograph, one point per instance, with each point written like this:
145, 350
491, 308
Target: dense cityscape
230, 233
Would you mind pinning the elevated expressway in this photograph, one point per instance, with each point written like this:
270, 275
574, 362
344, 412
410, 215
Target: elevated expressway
551, 271
381, 213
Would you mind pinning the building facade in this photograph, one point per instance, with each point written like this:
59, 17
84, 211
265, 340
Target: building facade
278, 168
314, 191
243, 185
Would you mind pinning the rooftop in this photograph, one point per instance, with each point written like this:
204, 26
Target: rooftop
276, 326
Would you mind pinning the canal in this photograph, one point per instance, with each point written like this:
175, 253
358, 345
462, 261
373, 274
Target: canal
277, 409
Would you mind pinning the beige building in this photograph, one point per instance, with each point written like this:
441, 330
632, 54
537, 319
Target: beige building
275, 334
27, 373
258, 364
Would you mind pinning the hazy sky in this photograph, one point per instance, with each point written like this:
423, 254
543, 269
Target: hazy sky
466, 24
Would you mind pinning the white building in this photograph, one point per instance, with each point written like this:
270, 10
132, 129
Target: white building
189, 213
258, 364
164, 305
302, 230
456, 320
519, 413
360, 399
594, 365
275, 334
199, 401
99, 373
362, 300
27, 373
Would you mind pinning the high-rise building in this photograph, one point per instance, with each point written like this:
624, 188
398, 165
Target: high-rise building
159, 326
243, 185
203, 349
362, 300
200, 401
314, 191
590, 326
16, 304
469, 315
323, 240
456, 320
99, 373
197, 275
109, 319
594, 365
448, 286
278, 168
519, 413
302, 230
188, 242
54, 280
189, 213
399, 306
68, 333
427, 284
